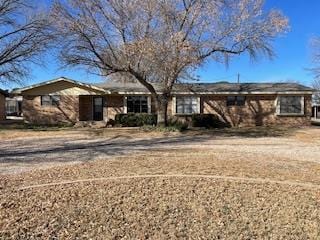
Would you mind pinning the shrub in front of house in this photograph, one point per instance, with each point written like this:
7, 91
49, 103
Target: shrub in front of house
207, 121
135, 119
175, 124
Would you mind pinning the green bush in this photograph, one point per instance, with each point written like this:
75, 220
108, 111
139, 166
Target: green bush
135, 119
177, 125
207, 121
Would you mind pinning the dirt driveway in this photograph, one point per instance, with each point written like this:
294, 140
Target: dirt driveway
22, 152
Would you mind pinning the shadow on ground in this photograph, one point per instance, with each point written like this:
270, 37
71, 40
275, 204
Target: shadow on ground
64, 149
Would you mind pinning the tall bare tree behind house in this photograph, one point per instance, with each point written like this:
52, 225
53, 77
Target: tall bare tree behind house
316, 70
162, 42
24, 35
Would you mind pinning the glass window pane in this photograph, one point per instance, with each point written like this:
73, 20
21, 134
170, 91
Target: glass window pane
290, 104
194, 108
137, 104
241, 100
45, 100
188, 109
144, 109
186, 105
179, 108
194, 101
187, 101
231, 100
98, 101
55, 99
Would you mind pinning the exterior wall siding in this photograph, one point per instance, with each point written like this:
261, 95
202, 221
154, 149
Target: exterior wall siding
66, 112
2, 107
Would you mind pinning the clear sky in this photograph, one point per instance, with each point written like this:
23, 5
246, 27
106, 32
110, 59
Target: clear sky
293, 54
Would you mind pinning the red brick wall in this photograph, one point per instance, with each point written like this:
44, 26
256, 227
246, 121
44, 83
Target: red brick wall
114, 105
66, 112
258, 110
2, 107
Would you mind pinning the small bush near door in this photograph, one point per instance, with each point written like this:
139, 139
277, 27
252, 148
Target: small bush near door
207, 121
135, 119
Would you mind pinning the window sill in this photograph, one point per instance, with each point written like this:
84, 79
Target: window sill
234, 106
184, 114
290, 114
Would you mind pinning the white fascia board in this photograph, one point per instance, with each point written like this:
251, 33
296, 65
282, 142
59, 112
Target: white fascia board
217, 93
20, 90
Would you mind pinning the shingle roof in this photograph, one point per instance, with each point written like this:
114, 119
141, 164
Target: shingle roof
187, 88
220, 87
20, 90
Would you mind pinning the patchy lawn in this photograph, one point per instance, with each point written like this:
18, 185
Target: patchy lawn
234, 184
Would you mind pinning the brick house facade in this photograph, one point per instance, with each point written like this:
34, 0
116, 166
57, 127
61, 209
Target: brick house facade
68, 101
3, 95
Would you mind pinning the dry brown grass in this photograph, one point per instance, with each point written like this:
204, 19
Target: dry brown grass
18, 132
12, 134
174, 208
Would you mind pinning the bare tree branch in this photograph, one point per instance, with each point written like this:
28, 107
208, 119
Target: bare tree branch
23, 37
162, 42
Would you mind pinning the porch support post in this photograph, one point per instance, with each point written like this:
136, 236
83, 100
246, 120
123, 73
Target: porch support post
105, 109
125, 109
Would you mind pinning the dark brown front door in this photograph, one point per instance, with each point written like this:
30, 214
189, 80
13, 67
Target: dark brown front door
97, 108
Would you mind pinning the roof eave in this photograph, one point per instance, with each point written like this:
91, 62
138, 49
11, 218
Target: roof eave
215, 93
21, 90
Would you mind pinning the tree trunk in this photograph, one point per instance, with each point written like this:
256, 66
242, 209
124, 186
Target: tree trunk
162, 113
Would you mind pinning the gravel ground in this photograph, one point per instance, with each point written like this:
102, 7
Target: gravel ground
27, 151
275, 207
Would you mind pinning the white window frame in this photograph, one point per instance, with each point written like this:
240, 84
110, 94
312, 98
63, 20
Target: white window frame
125, 103
278, 108
174, 105
52, 102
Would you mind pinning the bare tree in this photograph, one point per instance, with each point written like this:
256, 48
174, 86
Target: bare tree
23, 36
315, 44
316, 86
162, 41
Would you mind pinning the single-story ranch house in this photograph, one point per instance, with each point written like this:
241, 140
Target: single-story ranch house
63, 100
3, 95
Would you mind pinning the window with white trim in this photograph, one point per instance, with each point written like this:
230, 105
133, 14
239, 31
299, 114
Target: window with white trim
236, 100
187, 105
291, 105
50, 100
137, 104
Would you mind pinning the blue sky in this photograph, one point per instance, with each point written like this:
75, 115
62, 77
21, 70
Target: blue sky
293, 54
293, 50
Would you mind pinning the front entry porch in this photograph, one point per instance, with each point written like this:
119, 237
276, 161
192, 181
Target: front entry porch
92, 108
